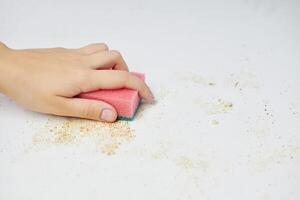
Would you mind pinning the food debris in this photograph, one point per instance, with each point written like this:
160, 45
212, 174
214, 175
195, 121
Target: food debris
228, 105
186, 163
197, 79
215, 107
214, 122
107, 137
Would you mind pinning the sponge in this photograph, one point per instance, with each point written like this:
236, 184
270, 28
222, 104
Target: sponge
125, 101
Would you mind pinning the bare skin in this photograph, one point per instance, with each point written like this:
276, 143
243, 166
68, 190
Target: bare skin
47, 80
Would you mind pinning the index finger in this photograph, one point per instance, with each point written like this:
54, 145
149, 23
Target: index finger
115, 79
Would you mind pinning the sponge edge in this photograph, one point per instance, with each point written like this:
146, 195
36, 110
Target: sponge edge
125, 101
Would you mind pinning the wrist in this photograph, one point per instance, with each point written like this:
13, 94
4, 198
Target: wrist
4, 65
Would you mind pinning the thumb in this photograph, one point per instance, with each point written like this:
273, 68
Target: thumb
87, 109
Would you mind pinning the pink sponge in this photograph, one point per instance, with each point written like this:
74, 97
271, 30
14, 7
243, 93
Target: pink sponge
125, 101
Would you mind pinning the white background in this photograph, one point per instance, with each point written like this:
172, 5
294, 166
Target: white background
249, 50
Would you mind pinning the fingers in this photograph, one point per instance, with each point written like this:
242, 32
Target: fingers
92, 48
114, 79
106, 60
94, 56
87, 109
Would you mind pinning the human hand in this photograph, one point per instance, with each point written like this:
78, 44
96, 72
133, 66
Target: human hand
47, 80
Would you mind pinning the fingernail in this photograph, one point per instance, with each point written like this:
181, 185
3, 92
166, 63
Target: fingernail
107, 115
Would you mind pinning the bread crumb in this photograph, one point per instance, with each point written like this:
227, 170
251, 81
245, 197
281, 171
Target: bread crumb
107, 137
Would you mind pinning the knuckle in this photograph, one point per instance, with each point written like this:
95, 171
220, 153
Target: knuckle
103, 46
124, 77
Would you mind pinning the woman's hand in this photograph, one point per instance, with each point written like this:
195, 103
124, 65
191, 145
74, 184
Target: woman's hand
46, 80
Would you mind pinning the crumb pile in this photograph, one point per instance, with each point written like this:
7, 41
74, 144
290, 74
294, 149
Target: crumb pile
107, 136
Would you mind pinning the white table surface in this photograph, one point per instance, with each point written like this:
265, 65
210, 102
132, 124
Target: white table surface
226, 124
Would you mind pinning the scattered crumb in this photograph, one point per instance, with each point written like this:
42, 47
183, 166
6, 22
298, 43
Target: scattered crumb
228, 105
188, 164
107, 137
215, 107
244, 80
294, 112
268, 113
162, 93
279, 156
197, 79
162, 152
214, 122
